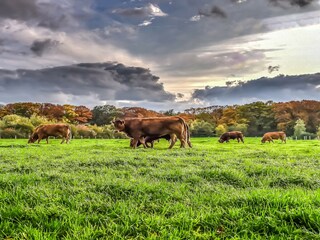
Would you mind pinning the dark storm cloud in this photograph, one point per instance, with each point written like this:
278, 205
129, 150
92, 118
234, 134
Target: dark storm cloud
19, 9
38, 47
280, 88
214, 11
300, 3
106, 81
50, 15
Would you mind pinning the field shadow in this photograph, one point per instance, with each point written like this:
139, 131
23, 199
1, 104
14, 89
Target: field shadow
18, 146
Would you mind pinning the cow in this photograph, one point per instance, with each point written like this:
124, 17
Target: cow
269, 136
46, 130
139, 128
150, 140
231, 135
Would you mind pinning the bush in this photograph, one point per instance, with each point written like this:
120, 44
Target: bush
308, 135
11, 133
220, 129
200, 128
84, 131
21, 125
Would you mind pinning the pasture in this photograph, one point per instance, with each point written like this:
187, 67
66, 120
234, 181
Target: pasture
101, 189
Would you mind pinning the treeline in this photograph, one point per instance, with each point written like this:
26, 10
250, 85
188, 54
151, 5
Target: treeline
296, 118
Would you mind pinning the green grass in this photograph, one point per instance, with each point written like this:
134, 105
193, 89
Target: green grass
102, 189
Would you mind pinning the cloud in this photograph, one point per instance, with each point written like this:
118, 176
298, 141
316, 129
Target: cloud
286, 3
41, 46
272, 69
102, 81
19, 9
280, 88
150, 10
214, 11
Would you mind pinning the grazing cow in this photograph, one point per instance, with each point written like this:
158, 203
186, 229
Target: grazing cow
269, 136
231, 135
139, 128
56, 130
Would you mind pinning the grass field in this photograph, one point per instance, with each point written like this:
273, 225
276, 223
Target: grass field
101, 189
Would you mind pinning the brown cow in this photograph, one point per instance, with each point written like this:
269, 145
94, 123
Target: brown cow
231, 135
56, 130
269, 136
139, 128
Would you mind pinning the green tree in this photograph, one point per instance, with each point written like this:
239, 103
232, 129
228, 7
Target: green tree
200, 128
242, 127
299, 128
102, 115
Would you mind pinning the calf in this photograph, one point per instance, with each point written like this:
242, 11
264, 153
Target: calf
139, 128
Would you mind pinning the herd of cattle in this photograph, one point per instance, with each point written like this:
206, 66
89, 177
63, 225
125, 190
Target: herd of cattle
144, 131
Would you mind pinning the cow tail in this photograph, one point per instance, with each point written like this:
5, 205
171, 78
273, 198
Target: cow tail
187, 133
70, 133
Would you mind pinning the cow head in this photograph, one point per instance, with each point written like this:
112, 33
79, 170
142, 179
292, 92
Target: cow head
119, 124
220, 140
263, 140
33, 138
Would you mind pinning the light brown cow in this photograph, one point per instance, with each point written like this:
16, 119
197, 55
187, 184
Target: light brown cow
269, 136
139, 128
55, 130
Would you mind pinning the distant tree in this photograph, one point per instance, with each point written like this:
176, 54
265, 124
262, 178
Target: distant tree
200, 128
299, 128
170, 112
69, 113
104, 114
220, 129
258, 116
83, 114
242, 127
37, 120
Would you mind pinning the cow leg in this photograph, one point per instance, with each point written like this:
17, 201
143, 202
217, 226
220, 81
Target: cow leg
182, 141
47, 139
39, 137
134, 143
242, 140
141, 139
63, 139
238, 140
172, 140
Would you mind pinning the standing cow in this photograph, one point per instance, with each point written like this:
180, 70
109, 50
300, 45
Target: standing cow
231, 135
269, 136
47, 130
139, 128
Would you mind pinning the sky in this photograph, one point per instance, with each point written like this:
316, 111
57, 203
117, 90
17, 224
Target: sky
159, 54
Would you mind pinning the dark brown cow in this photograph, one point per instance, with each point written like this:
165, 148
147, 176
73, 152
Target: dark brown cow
139, 128
55, 130
269, 136
231, 135
149, 140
